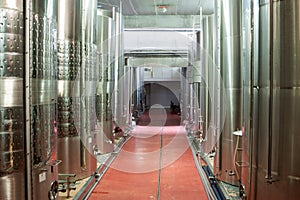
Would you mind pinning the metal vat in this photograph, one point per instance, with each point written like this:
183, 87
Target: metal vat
12, 157
76, 56
106, 49
225, 166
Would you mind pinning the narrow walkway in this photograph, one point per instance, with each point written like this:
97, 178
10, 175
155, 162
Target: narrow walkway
156, 163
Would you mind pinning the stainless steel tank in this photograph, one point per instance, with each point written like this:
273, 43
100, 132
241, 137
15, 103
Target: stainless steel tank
119, 87
192, 75
40, 133
68, 75
225, 166
12, 156
274, 165
197, 82
127, 93
88, 87
207, 87
138, 90
184, 95
201, 79
105, 45
249, 59
137, 96
42, 59
126, 99
76, 54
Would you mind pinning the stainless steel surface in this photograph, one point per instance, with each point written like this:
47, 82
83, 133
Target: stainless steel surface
118, 98
74, 164
68, 68
43, 95
184, 95
207, 89
16, 5
194, 78
70, 164
226, 157
27, 102
13, 186
250, 41
283, 180
201, 75
197, 118
88, 88
105, 44
77, 78
197, 68
127, 95
12, 155
137, 91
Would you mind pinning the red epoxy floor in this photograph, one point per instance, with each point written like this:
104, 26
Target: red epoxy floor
156, 163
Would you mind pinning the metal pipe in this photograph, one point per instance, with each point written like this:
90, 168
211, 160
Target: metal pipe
28, 190
69, 64
270, 134
252, 87
231, 101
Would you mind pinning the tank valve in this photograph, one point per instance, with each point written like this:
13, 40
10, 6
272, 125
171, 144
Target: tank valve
242, 191
53, 192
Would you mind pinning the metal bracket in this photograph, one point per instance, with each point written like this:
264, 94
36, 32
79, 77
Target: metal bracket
67, 185
53, 163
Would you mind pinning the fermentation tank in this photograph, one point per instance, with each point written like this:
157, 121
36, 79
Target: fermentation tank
75, 56
193, 80
42, 72
249, 58
137, 94
207, 85
227, 154
105, 44
197, 81
184, 95
199, 85
127, 93
38, 134
120, 112
12, 156
136, 81
274, 165
88, 87
200, 76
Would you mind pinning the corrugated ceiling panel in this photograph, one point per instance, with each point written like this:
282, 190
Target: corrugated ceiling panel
149, 7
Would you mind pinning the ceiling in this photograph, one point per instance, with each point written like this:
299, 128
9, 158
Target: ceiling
164, 7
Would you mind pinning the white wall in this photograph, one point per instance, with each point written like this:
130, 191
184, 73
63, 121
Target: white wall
161, 40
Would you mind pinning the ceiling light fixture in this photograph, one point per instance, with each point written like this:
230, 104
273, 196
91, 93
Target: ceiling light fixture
162, 8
